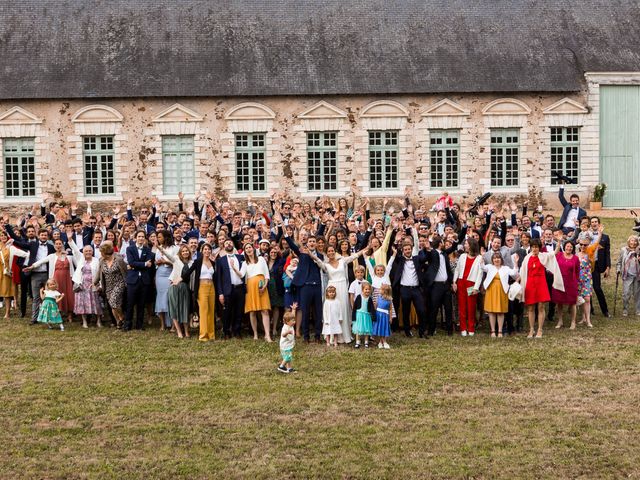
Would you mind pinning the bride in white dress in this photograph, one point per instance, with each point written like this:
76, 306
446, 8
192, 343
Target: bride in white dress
335, 266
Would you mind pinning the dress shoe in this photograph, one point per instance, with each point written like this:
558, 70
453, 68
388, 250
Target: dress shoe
409, 334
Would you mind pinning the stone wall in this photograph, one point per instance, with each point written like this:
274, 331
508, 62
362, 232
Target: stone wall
138, 126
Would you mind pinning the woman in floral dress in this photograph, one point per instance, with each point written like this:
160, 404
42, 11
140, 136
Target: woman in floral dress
111, 276
587, 256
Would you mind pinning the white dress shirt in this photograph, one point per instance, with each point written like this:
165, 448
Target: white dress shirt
409, 275
42, 253
441, 276
233, 261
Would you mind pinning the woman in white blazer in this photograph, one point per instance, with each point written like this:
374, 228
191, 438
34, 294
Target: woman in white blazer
496, 285
467, 279
85, 278
61, 269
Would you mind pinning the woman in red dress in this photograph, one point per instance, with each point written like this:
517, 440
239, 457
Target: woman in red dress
534, 283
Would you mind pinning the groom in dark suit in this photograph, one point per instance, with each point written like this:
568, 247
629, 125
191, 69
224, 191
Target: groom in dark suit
309, 282
140, 262
230, 273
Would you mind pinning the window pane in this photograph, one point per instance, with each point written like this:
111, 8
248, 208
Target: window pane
565, 148
383, 160
250, 162
322, 152
444, 154
98, 165
19, 167
178, 170
505, 158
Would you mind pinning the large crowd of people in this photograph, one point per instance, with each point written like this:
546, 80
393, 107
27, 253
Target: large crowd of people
323, 269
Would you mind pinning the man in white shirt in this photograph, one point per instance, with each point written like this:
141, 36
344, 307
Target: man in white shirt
230, 272
406, 278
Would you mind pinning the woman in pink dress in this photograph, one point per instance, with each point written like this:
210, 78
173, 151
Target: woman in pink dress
61, 270
569, 265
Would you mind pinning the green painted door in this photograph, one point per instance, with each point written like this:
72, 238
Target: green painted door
620, 144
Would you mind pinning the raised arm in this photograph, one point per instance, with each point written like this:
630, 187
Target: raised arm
318, 262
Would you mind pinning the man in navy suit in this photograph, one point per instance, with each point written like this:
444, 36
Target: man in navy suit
81, 235
38, 277
140, 262
571, 213
230, 273
309, 282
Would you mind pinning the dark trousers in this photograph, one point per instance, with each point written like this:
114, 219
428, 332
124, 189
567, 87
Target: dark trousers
232, 311
413, 296
136, 297
440, 296
597, 289
25, 288
311, 302
551, 311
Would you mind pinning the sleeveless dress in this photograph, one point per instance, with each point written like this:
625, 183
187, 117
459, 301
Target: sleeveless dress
585, 284
49, 312
363, 324
536, 290
381, 325
62, 276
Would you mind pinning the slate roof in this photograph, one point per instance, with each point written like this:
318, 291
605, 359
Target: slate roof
158, 48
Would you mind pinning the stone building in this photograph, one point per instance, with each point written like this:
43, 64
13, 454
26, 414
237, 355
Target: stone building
113, 99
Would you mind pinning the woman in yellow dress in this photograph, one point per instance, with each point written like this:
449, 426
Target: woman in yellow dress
7, 253
496, 285
257, 299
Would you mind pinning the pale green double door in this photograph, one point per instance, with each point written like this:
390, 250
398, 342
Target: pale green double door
620, 145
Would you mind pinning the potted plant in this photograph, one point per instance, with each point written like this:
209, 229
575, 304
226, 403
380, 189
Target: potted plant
598, 195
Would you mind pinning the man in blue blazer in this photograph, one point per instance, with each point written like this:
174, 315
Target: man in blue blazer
309, 283
230, 272
140, 262
571, 212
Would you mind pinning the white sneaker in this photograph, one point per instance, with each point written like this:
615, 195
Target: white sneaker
61, 327
625, 313
471, 334
463, 333
380, 345
386, 345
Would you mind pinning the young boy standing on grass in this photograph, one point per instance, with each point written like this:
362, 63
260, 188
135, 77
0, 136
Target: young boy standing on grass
288, 340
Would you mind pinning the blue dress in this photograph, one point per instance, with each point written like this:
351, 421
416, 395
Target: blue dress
363, 319
381, 326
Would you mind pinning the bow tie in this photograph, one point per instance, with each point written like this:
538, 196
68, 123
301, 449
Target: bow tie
549, 244
43, 244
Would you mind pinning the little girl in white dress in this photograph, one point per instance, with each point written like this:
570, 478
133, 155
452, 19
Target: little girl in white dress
332, 317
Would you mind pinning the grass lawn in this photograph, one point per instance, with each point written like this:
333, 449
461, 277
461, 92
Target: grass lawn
103, 404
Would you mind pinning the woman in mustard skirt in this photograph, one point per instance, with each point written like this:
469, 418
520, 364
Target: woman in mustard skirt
257, 299
496, 285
